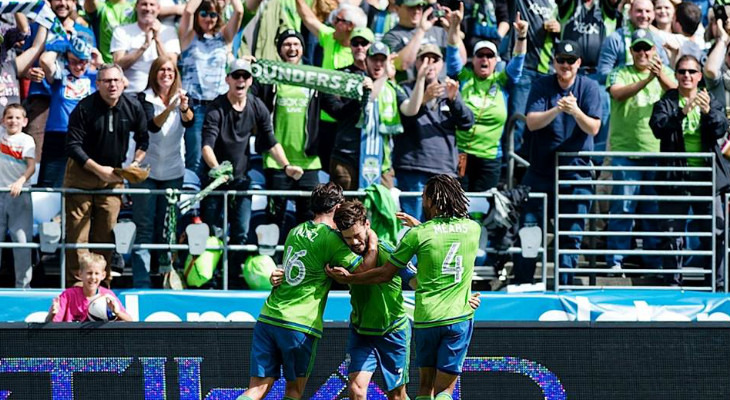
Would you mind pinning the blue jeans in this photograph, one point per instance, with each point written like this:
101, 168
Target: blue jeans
619, 207
148, 213
517, 104
412, 181
194, 141
524, 268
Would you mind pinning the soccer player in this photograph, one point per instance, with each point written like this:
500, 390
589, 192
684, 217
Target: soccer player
290, 323
446, 247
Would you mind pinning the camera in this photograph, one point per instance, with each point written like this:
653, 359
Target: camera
720, 11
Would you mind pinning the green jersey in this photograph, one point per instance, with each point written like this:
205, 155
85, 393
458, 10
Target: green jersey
378, 309
298, 303
629, 123
111, 15
446, 249
485, 98
691, 133
290, 124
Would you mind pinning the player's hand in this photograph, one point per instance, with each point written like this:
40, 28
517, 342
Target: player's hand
16, 187
339, 274
475, 301
277, 277
293, 171
372, 240
520, 26
107, 174
407, 219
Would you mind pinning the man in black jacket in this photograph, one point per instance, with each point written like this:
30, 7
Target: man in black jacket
691, 120
97, 142
295, 114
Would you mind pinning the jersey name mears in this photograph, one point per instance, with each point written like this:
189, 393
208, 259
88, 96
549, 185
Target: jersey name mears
450, 228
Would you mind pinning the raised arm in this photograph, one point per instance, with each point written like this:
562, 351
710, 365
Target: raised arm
411, 106
231, 27
48, 64
407, 55
27, 58
185, 30
309, 20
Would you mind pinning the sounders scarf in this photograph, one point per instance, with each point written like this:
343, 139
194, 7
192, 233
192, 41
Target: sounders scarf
386, 121
36, 10
338, 83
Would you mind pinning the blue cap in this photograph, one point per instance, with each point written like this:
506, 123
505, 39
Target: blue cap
79, 48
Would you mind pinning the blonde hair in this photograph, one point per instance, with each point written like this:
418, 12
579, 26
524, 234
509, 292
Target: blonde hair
88, 259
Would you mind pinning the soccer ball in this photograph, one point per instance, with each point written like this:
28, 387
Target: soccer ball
98, 310
257, 270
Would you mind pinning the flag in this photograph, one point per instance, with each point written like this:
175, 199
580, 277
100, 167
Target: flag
37, 10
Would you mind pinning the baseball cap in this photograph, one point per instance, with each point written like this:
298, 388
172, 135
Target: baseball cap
378, 48
364, 33
240, 65
79, 48
286, 35
486, 44
642, 35
410, 3
429, 49
567, 48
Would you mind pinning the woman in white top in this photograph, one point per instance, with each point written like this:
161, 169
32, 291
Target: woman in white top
168, 114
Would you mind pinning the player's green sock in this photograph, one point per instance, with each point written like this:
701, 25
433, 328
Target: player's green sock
444, 396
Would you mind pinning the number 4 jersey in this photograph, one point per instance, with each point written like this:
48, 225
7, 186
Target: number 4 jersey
298, 303
446, 249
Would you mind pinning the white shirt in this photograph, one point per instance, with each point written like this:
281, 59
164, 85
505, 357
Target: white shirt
130, 37
166, 148
14, 149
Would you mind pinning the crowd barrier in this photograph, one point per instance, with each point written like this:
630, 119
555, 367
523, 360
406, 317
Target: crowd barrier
195, 361
478, 204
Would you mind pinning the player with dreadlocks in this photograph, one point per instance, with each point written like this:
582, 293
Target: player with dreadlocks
446, 247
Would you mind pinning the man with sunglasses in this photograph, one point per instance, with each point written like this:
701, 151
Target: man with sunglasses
634, 89
230, 121
563, 115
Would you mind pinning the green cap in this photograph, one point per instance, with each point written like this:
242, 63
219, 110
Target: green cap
411, 3
364, 33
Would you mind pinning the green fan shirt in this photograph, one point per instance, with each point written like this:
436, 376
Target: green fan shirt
298, 303
378, 309
486, 100
446, 249
112, 15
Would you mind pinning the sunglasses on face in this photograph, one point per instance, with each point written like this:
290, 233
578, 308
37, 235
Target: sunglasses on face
341, 20
566, 60
485, 54
208, 14
359, 43
641, 47
683, 71
240, 74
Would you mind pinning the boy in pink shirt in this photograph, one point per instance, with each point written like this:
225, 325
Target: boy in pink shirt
73, 304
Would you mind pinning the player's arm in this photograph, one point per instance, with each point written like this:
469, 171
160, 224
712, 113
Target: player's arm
371, 277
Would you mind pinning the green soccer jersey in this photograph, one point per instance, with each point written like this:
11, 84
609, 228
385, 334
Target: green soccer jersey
290, 124
110, 16
298, 303
486, 100
378, 309
446, 249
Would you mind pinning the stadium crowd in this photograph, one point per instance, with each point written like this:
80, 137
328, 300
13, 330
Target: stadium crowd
170, 85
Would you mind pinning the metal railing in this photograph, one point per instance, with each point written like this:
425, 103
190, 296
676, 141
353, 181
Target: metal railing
226, 248
513, 157
561, 198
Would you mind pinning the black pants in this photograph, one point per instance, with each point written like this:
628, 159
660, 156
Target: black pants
481, 174
276, 179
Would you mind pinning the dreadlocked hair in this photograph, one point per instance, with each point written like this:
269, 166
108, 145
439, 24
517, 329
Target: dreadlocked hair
350, 213
324, 197
447, 195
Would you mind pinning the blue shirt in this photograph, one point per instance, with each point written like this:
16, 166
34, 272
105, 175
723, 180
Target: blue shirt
563, 134
66, 91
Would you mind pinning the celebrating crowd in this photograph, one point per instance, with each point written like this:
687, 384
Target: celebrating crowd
170, 86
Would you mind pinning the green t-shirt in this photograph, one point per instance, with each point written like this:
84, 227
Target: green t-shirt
629, 123
486, 99
112, 15
334, 56
290, 124
298, 303
691, 132
378, 309
446, 249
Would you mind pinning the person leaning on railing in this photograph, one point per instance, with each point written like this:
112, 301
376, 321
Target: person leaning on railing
691, 120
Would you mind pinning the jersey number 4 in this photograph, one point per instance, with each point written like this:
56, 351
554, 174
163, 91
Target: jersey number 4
452, 258
291, 262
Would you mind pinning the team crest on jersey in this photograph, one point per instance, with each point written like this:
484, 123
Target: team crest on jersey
307, 234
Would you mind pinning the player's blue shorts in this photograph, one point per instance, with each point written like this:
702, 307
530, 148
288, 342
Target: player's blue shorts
443, 347
391, 352
274, 347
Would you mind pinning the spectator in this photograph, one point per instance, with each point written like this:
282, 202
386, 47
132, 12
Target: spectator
39, 98
11, 68
70, 78
486, 20
684, 41
204, 40
664, 15
382, 17
431, 117
541, 15
690, 120
615, 52
484, 92
261, 32
104, 18
230, 122
295, 114
168, 114
17, 165
97, 142
563, 116
73, 304
345, 166
417, 27
135, 46
717, 77
634, 89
